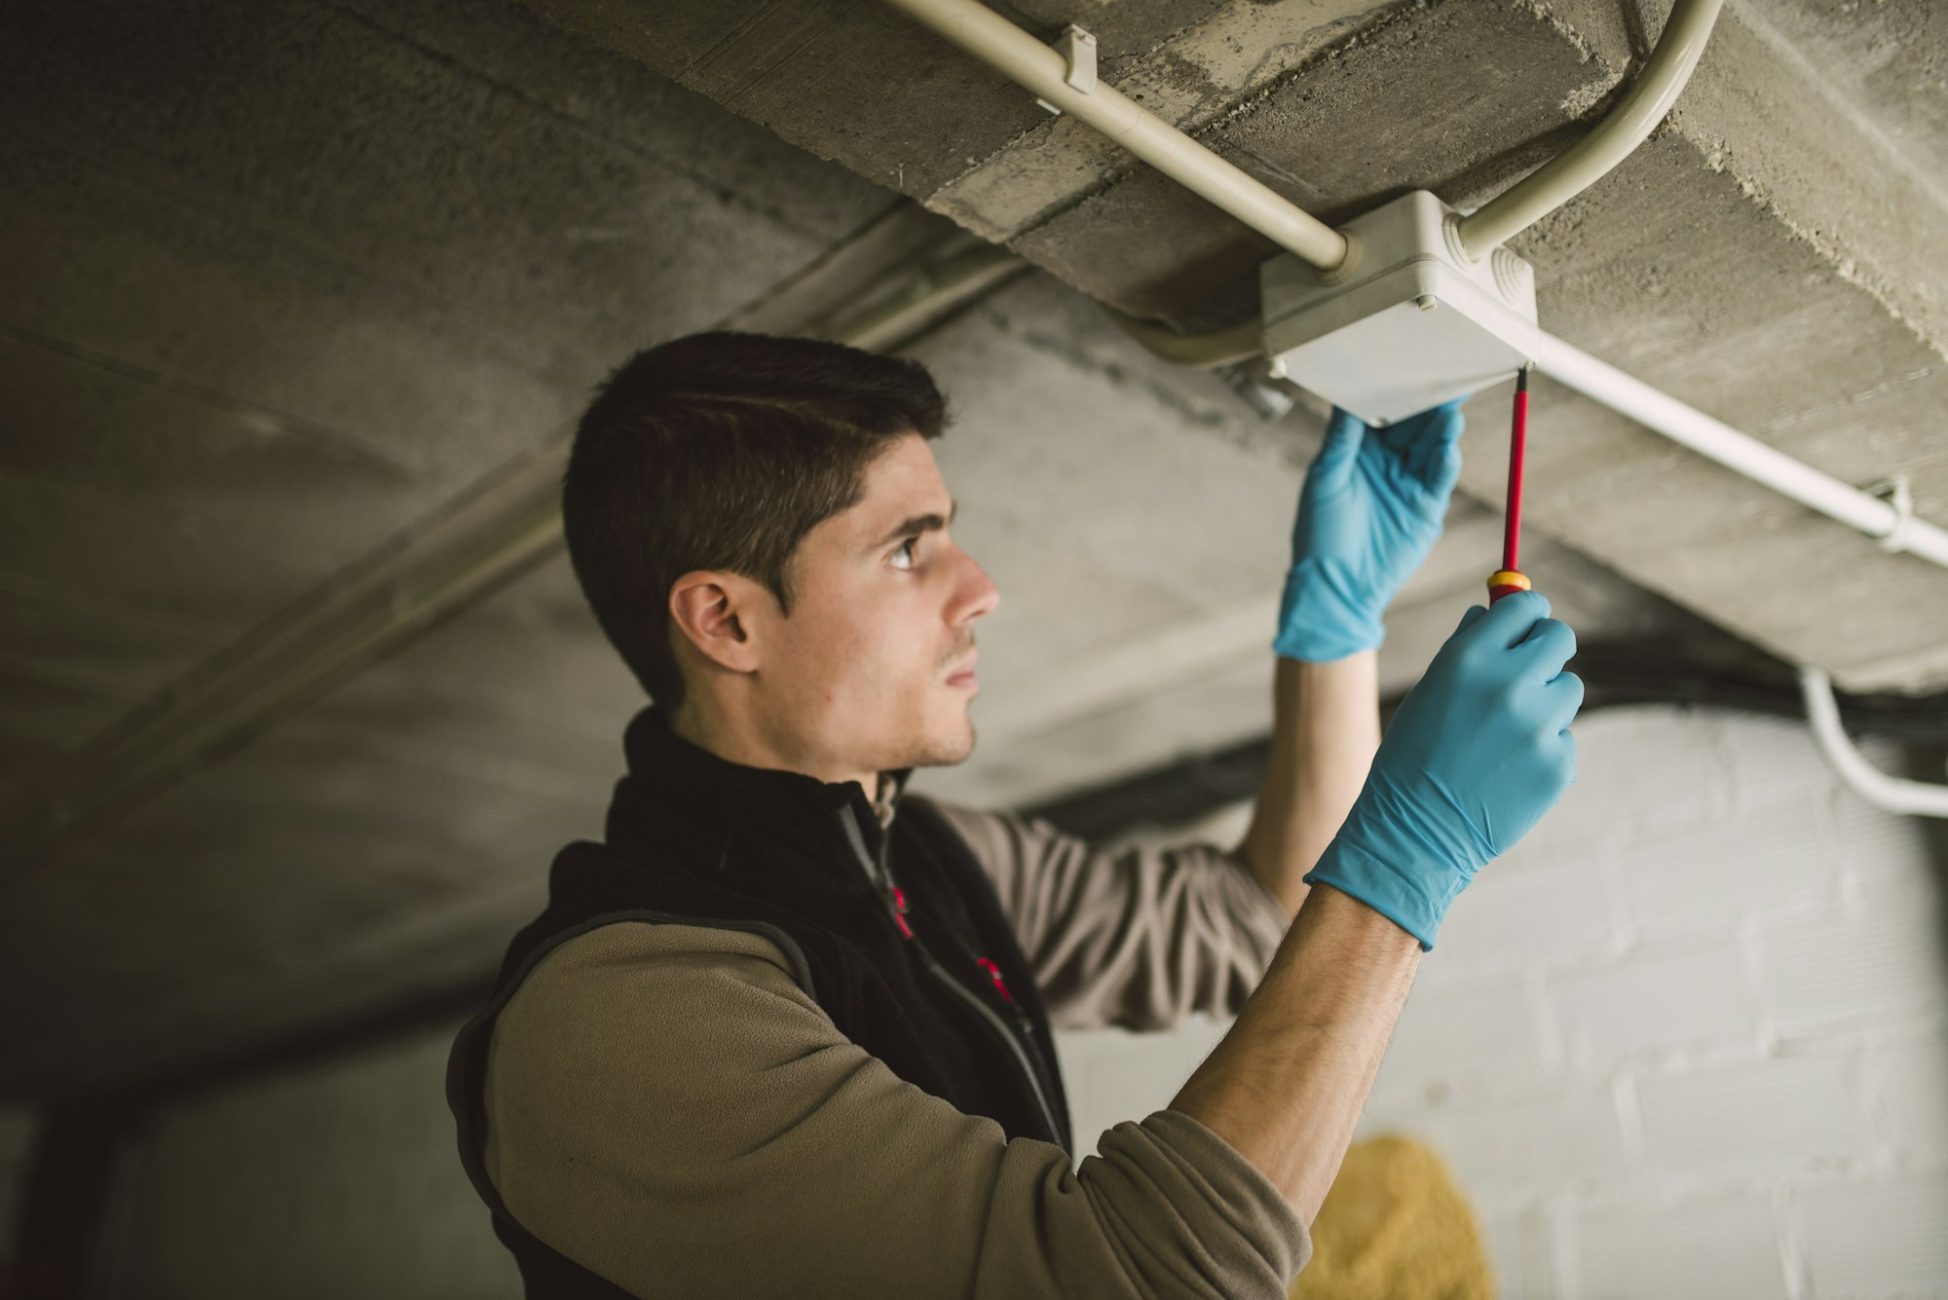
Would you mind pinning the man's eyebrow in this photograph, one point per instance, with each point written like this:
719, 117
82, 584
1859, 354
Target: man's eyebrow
918, 524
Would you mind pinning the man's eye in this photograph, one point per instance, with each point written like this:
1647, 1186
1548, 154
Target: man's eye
906, 548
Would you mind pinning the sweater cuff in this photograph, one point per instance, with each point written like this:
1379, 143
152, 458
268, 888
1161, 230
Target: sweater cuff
1248, 1201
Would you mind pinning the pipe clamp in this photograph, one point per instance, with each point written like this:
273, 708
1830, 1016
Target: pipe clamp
1897, 492
1078, 48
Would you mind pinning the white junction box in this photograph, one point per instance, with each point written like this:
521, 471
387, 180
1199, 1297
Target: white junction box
1408, 321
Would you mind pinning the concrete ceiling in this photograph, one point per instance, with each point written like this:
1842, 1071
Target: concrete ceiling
1773, 256
279, 281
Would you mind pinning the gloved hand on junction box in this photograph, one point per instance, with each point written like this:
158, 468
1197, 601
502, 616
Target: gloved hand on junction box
1371, 507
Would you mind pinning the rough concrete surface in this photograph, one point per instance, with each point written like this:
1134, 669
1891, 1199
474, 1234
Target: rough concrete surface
352, 271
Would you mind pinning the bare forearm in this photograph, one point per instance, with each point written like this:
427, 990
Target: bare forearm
1286, 1084
1326, 726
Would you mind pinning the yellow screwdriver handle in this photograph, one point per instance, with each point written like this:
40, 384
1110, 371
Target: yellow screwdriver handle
1503, 582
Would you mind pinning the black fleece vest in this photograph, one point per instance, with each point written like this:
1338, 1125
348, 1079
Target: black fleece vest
939, 991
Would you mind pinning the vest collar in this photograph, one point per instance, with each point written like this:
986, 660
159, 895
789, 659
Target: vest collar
673, 779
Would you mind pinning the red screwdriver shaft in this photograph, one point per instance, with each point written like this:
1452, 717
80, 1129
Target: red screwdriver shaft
1518, 445
1510, 577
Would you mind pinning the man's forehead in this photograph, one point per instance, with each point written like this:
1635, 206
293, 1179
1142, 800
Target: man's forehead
902, 489
890, 522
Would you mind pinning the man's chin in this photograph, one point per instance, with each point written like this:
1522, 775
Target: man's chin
945, 748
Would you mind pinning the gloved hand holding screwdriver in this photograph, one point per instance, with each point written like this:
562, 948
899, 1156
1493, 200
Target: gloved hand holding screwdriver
1476, 753
1480, 747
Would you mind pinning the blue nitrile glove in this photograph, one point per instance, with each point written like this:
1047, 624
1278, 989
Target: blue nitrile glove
1474, 756
1370, 509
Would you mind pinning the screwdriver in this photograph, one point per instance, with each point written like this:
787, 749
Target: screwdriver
1510, 578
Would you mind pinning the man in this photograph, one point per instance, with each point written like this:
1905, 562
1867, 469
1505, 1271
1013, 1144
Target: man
787, 1032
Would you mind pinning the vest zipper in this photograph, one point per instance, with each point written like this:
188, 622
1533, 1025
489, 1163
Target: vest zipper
895, 899
1001, 987
960, 990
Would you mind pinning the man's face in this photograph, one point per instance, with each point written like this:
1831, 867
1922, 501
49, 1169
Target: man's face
859, 678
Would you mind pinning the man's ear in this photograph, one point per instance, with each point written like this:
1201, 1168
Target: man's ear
714, 611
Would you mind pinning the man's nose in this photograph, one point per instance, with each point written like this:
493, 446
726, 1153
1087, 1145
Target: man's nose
985, 595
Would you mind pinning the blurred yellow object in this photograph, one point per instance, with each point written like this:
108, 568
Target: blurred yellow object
1395, 1227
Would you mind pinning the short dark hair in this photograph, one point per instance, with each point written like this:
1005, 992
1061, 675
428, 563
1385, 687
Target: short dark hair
721, 451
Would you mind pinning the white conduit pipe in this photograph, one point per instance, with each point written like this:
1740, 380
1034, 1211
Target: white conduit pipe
1068, 82
1198, 351
929, 293
1893, 794
1622, 129
1898, 529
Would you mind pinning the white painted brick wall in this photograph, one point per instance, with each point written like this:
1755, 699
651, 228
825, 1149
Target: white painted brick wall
1881, 958
1561, 910
1707, 879
1465, 1037
1764, 1119
1660, 997
1905, 1097
1875, 847
1692, 1249
1690, 1038
1880, 1238
1527, 1140
1522, 1244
